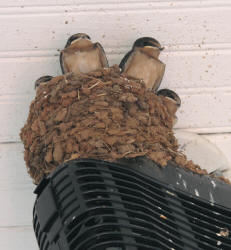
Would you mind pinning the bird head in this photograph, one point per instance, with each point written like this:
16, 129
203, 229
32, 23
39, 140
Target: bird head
76, 37
171, 95
147, 42
42, 79
148, 45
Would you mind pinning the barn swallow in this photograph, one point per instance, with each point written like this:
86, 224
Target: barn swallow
171, 101
142, 62
42, 81
80, 55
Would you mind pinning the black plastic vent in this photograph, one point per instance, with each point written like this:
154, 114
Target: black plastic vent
135, 205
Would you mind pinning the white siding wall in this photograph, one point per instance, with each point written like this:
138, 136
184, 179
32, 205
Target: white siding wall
197, 40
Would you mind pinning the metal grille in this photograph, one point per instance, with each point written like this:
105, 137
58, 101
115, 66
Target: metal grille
105, 206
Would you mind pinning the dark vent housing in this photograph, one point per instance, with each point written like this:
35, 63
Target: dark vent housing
135, 205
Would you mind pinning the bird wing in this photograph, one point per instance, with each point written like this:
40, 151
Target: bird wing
67, 60
160, 73
102, 55
124, 61
61, 62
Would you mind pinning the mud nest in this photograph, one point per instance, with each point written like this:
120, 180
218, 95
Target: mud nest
101, 115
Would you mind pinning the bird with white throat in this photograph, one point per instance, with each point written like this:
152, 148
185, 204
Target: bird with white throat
81, 55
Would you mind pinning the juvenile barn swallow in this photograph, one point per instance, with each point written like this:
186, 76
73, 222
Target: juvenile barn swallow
171, 101
42, 80
80, 55
142, 62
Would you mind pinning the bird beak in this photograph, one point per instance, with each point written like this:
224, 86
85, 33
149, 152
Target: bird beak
159, 48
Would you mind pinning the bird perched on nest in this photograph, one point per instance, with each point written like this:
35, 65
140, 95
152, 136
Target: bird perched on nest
80, 55
142, 62
171, 101
42, 80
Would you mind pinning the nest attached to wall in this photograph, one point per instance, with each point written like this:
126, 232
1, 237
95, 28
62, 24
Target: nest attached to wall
101, 115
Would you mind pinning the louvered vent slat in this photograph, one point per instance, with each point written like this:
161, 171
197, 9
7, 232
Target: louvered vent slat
131, 206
